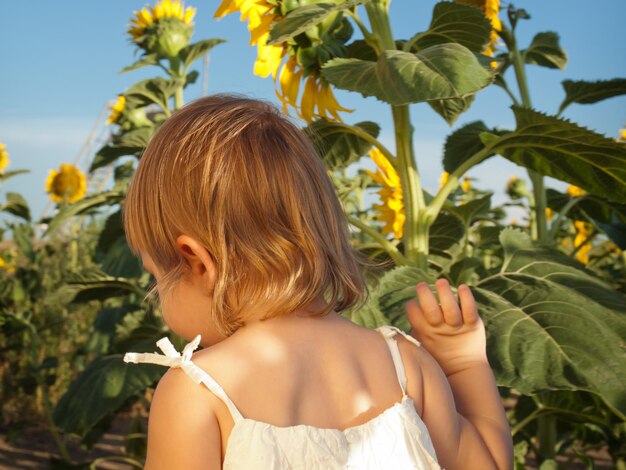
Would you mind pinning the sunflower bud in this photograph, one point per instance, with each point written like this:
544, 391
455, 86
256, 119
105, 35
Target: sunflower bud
167, 37
516, 188
163, 29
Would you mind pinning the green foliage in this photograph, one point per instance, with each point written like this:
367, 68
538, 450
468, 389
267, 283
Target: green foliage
583, 92
145, 60
85, 205
338, 144
305, 17
91, 284
17, 206
99, 390
463, 144
453, 23
397, 77
545, 50
558, 148
193, 52
452, 108
555, 314
154, 91
128, 143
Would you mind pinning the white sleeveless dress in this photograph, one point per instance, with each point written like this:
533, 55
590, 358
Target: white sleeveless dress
395, 439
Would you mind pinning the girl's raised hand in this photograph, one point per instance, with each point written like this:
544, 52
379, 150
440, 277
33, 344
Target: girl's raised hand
453, 334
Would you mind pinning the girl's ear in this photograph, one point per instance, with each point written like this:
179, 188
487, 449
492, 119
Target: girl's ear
201, 262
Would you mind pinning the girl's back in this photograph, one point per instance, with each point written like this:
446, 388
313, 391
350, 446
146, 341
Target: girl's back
315, 393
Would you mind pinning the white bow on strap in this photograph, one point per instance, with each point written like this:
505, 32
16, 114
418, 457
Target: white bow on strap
172, 358
389, 331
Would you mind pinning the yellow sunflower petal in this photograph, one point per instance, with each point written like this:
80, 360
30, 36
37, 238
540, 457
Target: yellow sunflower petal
308, 99
190, 12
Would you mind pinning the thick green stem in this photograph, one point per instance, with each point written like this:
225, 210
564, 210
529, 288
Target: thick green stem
539, 222
60, 443
547, 436
178, 73
415, 235
382, 241
178, 98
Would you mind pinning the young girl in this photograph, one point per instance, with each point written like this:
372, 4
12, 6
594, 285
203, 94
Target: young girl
234, 214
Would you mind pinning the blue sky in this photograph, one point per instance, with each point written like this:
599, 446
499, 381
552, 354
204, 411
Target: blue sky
60, 62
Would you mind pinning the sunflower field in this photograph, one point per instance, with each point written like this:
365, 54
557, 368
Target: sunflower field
551, 287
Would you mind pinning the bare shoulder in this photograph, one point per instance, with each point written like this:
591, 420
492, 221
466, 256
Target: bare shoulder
183, 431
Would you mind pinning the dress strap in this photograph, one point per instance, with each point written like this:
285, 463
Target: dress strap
173, 358
388, 333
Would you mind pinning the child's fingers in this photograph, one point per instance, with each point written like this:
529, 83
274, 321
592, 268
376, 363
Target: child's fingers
449, 305
468, 304
415, 315
429, 304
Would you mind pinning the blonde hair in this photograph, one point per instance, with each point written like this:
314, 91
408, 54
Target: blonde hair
239, 177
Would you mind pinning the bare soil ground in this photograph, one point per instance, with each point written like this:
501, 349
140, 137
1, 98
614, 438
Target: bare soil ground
33, 448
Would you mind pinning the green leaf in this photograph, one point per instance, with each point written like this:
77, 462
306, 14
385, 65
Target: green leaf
560, 149
465, 271
23, 236
191, 77
86, 204
587, 207
359, 49
196, 50
337, 146
119, 261
148, 59
100, 390
153, 91
103, 331
615, 230
582, 92
129, 143
91, 284
452, 108
112, 251
470, 210
551, 325
16, 205
10, 174
302, 18
545, 50
396, 288
397, 77
122, 175
454, 22
446, 231
462, 144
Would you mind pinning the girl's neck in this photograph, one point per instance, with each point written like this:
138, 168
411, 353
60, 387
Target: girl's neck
299, 319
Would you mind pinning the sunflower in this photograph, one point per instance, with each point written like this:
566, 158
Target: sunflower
575, 191
622, 135
8, 267
443, 179
317, 99
491, 8
164, 28
583, 230
466, 184
392, 209
68, 184
4, 158
117, 109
